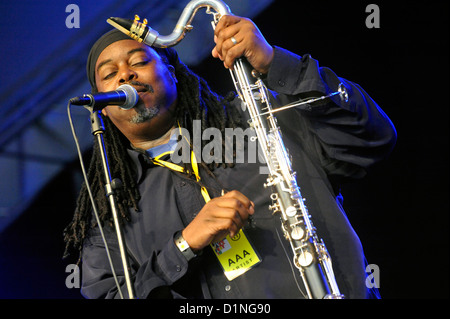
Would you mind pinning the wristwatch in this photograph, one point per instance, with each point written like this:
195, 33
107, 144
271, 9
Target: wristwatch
183, 246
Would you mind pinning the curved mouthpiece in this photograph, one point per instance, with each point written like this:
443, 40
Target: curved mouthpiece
123, 25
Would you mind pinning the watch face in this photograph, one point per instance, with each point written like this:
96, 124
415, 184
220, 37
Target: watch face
183, 245
184, 248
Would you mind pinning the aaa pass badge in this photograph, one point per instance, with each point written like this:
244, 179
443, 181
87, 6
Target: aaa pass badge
236, 255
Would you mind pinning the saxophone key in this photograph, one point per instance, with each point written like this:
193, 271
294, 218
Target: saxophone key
275, 208
269, 183
297, 233
294, 195
257, 95
304, 259
291, 211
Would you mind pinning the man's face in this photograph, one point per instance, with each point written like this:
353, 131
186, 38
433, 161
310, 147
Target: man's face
130, 62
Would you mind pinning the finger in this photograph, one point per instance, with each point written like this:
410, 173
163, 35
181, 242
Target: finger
226, 21
216, 54
221, 221
229, 54
225, 43
239, 196
232, 54
214, 51
230, 43
223, 35
228, 32
231, 221
233, 209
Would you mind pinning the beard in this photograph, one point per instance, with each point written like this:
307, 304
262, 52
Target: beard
144, 114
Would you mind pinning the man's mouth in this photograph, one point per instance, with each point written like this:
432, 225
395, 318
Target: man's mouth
142, 87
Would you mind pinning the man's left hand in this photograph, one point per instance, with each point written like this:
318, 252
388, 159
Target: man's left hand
235, 37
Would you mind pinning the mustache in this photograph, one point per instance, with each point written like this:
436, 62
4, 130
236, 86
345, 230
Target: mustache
145, 86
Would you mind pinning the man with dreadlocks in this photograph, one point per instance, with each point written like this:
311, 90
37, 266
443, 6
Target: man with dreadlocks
160, 207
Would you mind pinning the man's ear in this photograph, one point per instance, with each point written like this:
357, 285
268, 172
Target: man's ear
172, 71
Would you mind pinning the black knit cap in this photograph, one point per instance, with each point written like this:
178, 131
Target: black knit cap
169, 55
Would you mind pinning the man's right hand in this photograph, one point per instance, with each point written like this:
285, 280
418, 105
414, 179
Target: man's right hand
219, 217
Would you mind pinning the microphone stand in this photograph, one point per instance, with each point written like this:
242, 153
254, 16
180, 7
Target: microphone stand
97, 130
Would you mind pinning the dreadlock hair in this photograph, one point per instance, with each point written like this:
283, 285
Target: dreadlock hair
196, 101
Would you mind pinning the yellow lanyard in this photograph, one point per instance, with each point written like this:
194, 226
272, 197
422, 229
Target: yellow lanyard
157, 160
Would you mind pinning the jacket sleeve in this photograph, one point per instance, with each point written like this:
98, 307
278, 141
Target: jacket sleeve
154, 276
345, 137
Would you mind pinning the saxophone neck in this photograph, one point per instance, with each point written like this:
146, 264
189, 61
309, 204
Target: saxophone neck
141, 32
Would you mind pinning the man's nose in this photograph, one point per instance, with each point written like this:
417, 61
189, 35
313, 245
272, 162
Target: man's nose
127, 75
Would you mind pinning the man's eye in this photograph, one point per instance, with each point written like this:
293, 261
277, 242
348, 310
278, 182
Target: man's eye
110, 75
141, 63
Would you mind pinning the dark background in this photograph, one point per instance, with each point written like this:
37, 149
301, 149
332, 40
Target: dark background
400, 211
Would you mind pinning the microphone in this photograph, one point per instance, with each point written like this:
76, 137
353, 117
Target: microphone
125, 97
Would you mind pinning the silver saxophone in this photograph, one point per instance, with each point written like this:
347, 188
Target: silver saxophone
310, 254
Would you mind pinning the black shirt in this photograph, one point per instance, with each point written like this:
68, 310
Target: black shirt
328, 143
